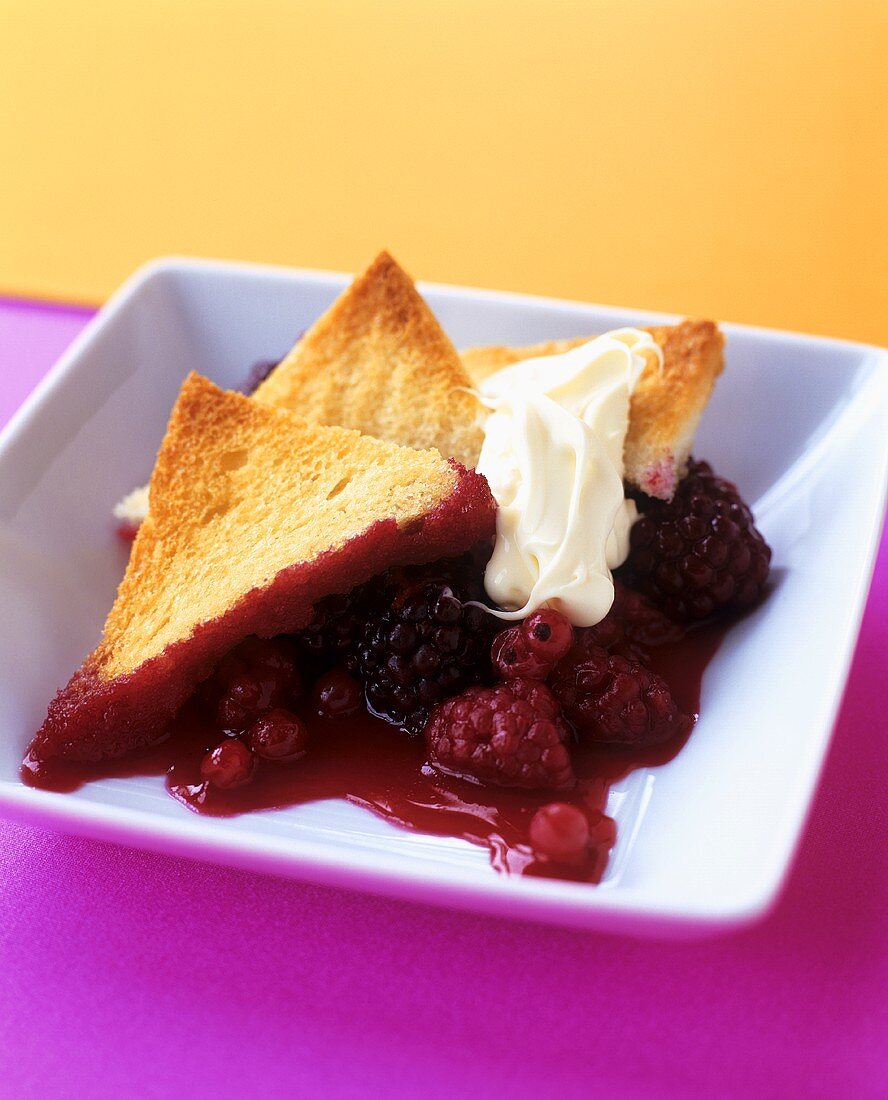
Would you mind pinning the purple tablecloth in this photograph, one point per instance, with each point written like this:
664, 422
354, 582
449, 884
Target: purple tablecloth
127, 974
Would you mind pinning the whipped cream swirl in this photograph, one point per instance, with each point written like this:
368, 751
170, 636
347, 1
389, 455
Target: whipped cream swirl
553, 456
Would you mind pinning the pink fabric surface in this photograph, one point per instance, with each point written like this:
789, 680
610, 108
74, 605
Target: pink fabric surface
129, 974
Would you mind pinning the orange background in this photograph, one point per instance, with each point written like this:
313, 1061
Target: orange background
720, 157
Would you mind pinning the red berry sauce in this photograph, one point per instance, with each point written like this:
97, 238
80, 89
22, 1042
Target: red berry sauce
370, 763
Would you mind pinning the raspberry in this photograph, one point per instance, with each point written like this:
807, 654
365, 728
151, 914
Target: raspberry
427, 646
228, 765
559, 832
336, 695
279, 736
511, 735
631, 622
609, 697
699, 554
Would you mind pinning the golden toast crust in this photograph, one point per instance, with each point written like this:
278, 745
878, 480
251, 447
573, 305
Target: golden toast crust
255, 516
241, 491
378, 361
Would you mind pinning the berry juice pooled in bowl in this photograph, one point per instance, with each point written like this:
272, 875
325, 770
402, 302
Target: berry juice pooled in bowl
466, 593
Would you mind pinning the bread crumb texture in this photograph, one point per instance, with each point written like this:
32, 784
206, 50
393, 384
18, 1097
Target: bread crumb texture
241, 491
378, 361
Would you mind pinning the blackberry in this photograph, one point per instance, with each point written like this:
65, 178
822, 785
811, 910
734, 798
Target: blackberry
700, 554
426, 646
259, 371
464, 573
339, 623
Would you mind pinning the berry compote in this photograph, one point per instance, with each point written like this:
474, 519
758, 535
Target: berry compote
412, 699
322, 754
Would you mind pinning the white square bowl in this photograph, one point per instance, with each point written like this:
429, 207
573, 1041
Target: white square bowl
705, 841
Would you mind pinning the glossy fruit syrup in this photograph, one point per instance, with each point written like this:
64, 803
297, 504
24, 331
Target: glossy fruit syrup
372, 764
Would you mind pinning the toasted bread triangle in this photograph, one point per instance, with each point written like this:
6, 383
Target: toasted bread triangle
378, 361
666, 405
255, 516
